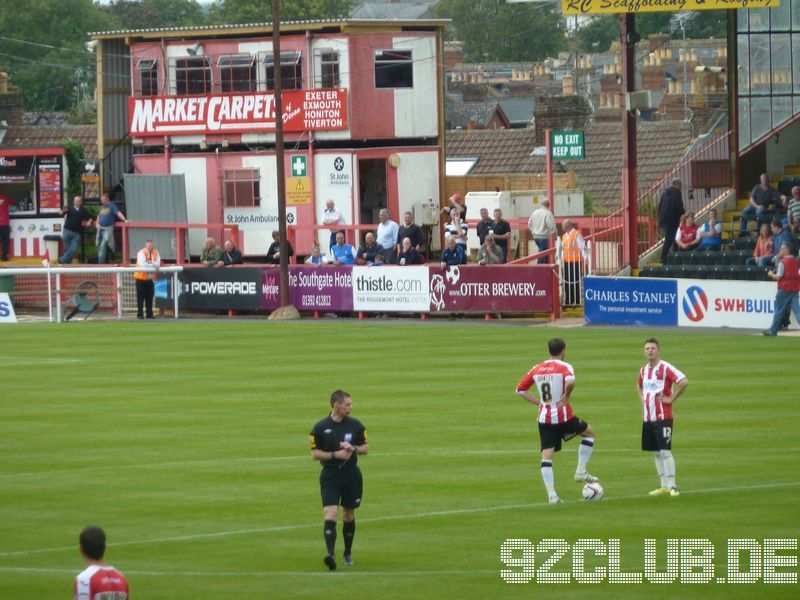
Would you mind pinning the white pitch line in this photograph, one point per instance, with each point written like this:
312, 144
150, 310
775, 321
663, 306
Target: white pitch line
265, 573
304, 457
421, 515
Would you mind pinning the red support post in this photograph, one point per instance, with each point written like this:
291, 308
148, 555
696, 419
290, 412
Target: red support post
628, 39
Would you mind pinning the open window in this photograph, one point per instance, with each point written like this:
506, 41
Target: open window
241, 187
193, 75
147, 68
394, 69
290, 71
237, 73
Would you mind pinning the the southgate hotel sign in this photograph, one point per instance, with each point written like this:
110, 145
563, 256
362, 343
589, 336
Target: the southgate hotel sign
597, 7
253, 112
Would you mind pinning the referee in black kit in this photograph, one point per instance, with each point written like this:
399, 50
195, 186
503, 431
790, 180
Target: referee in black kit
336, 441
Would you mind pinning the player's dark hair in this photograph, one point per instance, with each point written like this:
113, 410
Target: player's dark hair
338, 397
93, 542
556, 346
652, 341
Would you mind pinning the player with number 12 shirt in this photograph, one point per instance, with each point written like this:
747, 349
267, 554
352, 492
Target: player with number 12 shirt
554, 380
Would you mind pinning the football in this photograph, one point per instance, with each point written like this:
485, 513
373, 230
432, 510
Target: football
593, 491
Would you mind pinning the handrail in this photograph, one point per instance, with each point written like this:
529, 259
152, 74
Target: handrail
180, 234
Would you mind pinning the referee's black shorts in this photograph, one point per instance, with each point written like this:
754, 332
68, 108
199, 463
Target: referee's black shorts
341, 486
657, 435
552, 434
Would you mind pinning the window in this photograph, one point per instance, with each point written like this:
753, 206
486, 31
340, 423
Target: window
394, 69
291, 71
148, 76
193, 75
241, 187
237, 73
329, 69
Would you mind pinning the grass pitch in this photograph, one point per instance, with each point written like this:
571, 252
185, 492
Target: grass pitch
187, 442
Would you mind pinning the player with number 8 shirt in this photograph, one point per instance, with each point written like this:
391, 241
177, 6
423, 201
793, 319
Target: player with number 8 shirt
554, 380
660, 385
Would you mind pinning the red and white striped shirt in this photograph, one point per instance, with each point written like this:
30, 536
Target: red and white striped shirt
654, 381
101, 583
551, 378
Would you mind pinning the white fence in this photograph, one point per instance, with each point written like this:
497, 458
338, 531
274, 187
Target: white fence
55, 290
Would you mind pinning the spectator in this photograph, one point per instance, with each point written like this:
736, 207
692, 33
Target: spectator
763, 246
573, 251
76, 218
484, 226
543, 227
106, 217
98, 580
457, 229
5, 224
710, 233
490, 253
317, 257
502, 232
455, 201
412, 231
780, 235
331, 216
670, 209
146, 257
788, 277
378, 262
761, 198
231, 255
387, 235
687, 238
368, 250
408, 254
210, 255
274, 251
343, 254
452, 254
793, 211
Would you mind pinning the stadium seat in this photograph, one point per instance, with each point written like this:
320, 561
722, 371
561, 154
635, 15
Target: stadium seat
786, 184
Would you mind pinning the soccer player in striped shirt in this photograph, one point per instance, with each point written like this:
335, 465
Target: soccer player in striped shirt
554, 380
660, 385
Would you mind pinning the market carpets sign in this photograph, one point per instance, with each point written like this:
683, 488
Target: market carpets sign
253, 112
487, 289
598, 7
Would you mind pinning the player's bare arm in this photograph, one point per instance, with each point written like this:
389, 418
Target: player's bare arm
528, 396
567, 393
680, 386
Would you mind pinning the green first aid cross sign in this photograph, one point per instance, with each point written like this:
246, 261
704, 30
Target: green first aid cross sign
298, 166
566, 145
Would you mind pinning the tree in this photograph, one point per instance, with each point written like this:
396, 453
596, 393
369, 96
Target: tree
598, 35
42, 47
493, 30
259, 11
141, 14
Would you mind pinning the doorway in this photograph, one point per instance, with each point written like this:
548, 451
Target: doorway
372, 189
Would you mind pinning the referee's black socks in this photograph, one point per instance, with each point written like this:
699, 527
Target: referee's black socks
349, 532
330, 536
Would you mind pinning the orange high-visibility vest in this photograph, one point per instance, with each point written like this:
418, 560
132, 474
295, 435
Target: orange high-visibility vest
570, 250
152, 257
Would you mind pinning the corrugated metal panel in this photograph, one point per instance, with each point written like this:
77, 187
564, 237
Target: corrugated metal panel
158, 199
116, 89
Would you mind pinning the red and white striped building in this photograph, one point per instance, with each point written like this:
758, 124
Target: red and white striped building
363, 119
